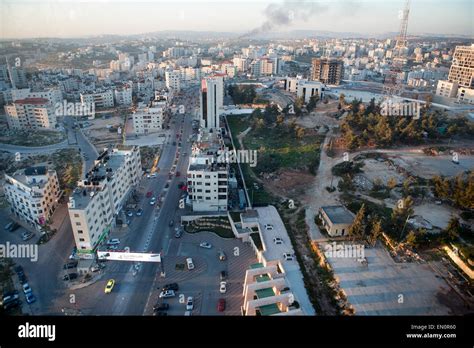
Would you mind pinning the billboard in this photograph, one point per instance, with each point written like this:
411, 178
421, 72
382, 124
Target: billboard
125, 256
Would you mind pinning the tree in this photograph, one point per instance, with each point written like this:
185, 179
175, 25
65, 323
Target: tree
391, 183
401, 213
356, 230
299, 132
453, 229
312, 103
376, 231
342, 100
411, 239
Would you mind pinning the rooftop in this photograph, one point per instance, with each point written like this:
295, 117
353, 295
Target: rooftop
269, 309
33, 101
338, 214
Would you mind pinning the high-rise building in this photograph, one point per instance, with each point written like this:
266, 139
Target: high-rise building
17, 77
31, 113
460, 83
33, 194
100, 196
327, 70
173, 80
462, 68
211, 101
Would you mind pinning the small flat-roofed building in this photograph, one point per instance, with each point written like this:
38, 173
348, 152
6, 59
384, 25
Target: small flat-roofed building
336, 219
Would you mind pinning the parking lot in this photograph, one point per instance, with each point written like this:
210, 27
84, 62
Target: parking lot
202, 283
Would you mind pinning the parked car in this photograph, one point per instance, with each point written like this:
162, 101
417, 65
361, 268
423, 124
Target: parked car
277, 240
27, 235
12, 304
129, 213
223, 275
190, 304
221, 305
112, 247
11, 226
161, 307
189, 263
222, 256
205, 245
139, 212
18, 270
113, 241
171, 223
30, 298
109, 286
288, 257
26, 288
153, 201
268, 227
70, 276
171, 286
149, 194
223, 287
70, 265
10, 298
167, 294
178, 232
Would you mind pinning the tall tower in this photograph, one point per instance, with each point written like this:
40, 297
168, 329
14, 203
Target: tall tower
392, 84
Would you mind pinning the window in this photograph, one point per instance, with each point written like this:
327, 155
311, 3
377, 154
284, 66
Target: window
82, 240
80, 231
78, 224
76, 215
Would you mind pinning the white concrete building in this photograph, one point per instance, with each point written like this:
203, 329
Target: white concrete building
31, 113
207, 177
307, 89
33, 194
101, 99
123, 95
100, 196
148, 119
274, 285
211, 101
173, 80
447, 89
54, 95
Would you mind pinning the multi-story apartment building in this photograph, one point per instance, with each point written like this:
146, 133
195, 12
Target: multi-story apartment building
328, 71
33, 194
101, 99
173, 80
100, 196
211, 101
149, 119
17, 77
460, 82
123, 95
207, 177
31, 113
54, 95
241, 64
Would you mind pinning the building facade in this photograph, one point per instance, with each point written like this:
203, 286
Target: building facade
211, 101
31, 113
100, 196
101, 99
328, 71
33, 194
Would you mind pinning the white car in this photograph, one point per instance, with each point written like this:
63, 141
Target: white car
277, 240
189, 304
167, 293
189, 263
268, 227
223, 287
113, 241
26, 288
288, 257
205, 245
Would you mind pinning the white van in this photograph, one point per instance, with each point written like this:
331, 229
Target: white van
189, 263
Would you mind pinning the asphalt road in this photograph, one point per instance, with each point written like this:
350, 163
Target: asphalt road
150, 232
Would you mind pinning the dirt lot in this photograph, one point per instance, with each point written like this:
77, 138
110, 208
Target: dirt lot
102, 131
319, 117
374, 169
288, 183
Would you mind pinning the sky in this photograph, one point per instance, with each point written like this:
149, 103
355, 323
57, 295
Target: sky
69, 18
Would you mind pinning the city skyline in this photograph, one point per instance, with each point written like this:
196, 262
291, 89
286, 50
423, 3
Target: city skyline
71, 19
